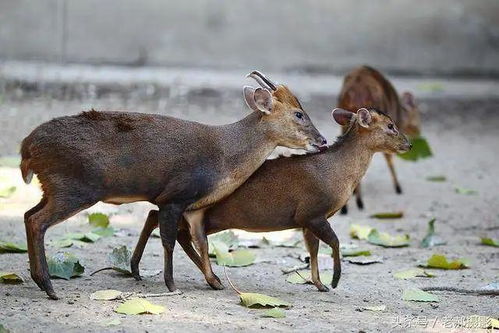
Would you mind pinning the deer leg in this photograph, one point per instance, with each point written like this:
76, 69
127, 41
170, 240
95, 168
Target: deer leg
168, 217
389, 161
358, 197
321, 229
149, 226
198, 235
38, 219
312, 244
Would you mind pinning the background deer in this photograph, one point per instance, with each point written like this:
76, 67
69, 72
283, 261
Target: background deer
118, 157
366, 87
294, 192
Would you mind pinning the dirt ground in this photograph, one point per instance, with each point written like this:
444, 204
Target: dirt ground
464, 137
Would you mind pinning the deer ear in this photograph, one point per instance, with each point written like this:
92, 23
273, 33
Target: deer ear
263, 100
364, 117
341, 116
249, 97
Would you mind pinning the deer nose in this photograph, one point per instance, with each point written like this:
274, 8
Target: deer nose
410, 145
323, 142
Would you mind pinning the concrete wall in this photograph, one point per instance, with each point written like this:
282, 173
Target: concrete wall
433, 37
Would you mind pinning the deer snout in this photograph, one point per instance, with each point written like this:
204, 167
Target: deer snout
319, 143
405, 146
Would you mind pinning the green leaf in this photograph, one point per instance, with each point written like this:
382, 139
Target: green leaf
88, 237
223, 241
326, 277
418, 295
136, 306
355, 252
490, 241
440, 261
10, 278
104, 232
61, 243
236, 258
291, 242
120, 259
6, 192
274, 313
432, 239
105, 295
98, 220
412, 273
360, 231
155, 233
465, 191
3, 329
386, 240
437, 179
260, 300
388, 215
431, 86
64, 265
420, 149
8, 247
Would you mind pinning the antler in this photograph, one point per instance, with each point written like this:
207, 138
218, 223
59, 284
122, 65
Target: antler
262, 80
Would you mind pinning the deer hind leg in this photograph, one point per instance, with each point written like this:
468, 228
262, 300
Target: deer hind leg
389, 161
47, 213
312, 244
150, 224
321, 229
198, 235
358, 197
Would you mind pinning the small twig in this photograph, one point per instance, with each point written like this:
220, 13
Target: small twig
230, 282
479, 292
171, 293
100, 270
306, 280
294, 268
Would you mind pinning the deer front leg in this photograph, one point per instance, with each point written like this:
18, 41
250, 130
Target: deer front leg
312, 244
321, 229
149, 226
389, 161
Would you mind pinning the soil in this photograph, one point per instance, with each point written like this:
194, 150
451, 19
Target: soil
464, 136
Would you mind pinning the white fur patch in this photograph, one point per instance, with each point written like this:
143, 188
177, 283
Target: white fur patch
280, 151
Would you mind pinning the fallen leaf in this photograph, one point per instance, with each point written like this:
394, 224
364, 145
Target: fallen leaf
386, 240
290, 242
9, 247
274, 313
88, 237
364, 260
440, 261
490, 241
236, 258
465, 191
119, 259
374, 308
10, 278
155, 233
437, 179
112, 322
388, 215
412, 273
359, 231
432, 239
223, 241
355, 252
7, 192
431, 86
482, 322
64, 265
3, 329
491, 286
104, 232
105, 295
98, 220
260, 300
418, 295
62, 243
136, 306
306, 277
420, 149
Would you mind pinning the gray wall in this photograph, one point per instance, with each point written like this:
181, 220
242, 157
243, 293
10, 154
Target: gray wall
426, 36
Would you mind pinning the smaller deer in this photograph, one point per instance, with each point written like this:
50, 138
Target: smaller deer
367, 87
294, 192
178, 165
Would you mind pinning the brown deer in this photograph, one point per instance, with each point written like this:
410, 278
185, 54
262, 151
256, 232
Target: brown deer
178, 165
293, 192
367, 87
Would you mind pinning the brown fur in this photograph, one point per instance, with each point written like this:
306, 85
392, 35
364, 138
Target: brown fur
295, 192
367, 87
179, 165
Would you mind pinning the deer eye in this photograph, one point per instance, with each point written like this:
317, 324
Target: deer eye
390, 126
299, 115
